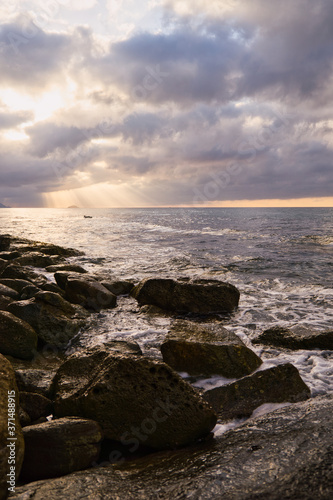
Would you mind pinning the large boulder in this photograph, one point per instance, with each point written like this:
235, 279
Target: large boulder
55, 320
298, 337
136, 400
59, 447
284, 454
279, 384
89, 294
11, 438
196, 296
207, 349
17, 337
16, 272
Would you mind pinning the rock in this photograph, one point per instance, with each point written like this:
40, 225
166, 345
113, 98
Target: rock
17, 338
37, 259
54, 325
35, 380
15, 272
59, 447
4, 242
134, 399
52, 287
15, 284
10, 450
24, 245
118, 287
61, 278
3, 265
197, 296
91, 295
9, 255
275, 385
286, 454
4, 302
207, 349
35, 405
298, 337
24, 418
8, 292
75, 268
29, 292
115, 346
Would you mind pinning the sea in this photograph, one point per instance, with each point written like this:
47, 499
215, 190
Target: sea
281, 260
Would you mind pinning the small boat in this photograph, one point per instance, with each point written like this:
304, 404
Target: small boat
87, 216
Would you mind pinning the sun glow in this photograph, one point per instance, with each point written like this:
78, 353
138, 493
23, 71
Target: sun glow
42, 106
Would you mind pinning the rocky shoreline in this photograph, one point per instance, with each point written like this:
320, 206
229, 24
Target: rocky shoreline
117, 414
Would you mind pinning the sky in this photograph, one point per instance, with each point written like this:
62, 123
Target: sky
134, 103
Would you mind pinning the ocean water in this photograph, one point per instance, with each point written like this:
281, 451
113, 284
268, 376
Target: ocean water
280, 259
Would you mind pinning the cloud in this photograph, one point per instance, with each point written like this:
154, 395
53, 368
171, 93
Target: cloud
9, 119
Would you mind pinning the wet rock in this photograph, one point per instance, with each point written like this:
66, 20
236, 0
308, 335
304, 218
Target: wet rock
17, 338
197, 296
15, 284
16, 272
3, 265
114, 346
9, 409
35, 405
286, 454
55, 324
279, 384
4, 242
37, 259
10, 255
298, 337
52, 287
61, 278
91, 295
135, 400
29, 292
4, 302
59, 447
207, 349
8, 292
24, 245
74, 268
35, 380
118, 287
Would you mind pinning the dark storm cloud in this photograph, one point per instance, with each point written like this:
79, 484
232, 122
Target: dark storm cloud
213, 108
29, 56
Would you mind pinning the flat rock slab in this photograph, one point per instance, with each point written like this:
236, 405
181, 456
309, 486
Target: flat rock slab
17, 337
135, 400
207, 349
59, 447
298, 337
286, 454
196, 296
279, 384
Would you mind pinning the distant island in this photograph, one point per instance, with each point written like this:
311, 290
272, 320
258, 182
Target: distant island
73, 206
3, 206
